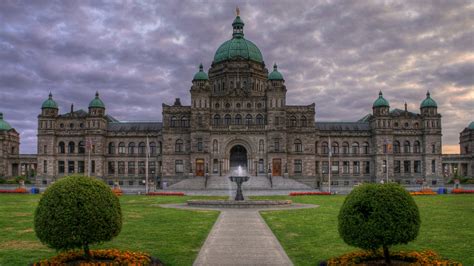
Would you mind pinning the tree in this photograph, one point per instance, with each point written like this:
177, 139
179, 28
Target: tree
379, 215
77, 211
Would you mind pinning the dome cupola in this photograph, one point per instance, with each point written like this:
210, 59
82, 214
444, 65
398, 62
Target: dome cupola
201, 75
471, 125
97, 102
49, 103
428, 102
275, 75
4, 126
238, 46
381, 102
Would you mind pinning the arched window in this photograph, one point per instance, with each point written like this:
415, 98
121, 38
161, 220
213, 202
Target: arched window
345, 148
259, 119
111, 148
121, 148
417, 147
173, 122
184, 121
238, 119
406, 147
396, 147
217, 120
365, 148
152, 148
304, 123
293, 121
335, 148
261, 146
298, 145
141, 148
71, 147
61, 147
178, 147
215, 146
81, 147
131, 148
248, 119
355, 148
227, 119
324, 148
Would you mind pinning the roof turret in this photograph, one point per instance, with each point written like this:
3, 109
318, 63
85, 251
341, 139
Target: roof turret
428, 102
275, 75
3, 124
97, 102
49, 103
201, 75
381, 102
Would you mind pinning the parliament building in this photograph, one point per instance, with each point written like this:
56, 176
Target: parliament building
239, 116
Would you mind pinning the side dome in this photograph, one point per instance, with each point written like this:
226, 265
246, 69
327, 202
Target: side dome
381, 102
3, 124
97, 102
238, 46
201, 75
49, 103
471, 125
275, 75
428, 102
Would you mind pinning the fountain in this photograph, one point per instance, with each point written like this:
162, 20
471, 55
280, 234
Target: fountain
239, 179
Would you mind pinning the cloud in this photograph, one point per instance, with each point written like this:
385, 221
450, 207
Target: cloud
140, 54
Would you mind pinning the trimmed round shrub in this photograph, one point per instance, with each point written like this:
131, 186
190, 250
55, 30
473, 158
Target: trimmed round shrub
378, 215
77, 211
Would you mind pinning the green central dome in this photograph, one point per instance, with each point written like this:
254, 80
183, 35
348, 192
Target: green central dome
3, 124
238, 46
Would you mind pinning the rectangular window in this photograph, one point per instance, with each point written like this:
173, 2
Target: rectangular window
366, 167
61, 167
325, 167
277, 145
199, 144
356, 167
396, 166
131, 168
70, 167
345, 167
433, 166
80, 167
45, 166
335, 167
92, 166
433, 148
417, 166
406, 166
316, 167
215, 166
111, 168
130, 182
141, 167
384, 166
45, 149
178, 166
121, 168
298, 167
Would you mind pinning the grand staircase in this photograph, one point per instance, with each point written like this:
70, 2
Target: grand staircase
254, 183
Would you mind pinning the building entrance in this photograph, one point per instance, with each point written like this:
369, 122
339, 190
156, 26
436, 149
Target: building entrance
238, 157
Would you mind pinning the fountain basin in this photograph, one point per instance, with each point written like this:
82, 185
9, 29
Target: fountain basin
239, 204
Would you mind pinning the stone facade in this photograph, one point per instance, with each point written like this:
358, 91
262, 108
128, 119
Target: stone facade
462, 164
9, 149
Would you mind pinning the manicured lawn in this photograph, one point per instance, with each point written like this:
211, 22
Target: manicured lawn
310, 235
174, 236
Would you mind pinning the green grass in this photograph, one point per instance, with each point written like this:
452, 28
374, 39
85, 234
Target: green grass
310, 235
173, 236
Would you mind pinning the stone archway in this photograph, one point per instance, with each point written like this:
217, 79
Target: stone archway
238, 157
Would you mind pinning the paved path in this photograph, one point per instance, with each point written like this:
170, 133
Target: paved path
241, 237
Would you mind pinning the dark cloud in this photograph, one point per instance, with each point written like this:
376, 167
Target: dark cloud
338, 54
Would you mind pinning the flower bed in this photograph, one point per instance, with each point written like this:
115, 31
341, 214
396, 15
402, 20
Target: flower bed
117, 191
103, 257
16, 190
426, 191
462, 191
427, 257
165, 194
309, 193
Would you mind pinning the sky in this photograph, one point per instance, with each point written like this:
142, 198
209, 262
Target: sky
140, 54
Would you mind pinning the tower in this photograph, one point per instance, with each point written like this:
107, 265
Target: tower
432, 167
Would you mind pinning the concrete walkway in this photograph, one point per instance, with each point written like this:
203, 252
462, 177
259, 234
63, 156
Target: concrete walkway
241, 237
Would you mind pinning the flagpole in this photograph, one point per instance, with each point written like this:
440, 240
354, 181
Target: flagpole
329, 163
146, 165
